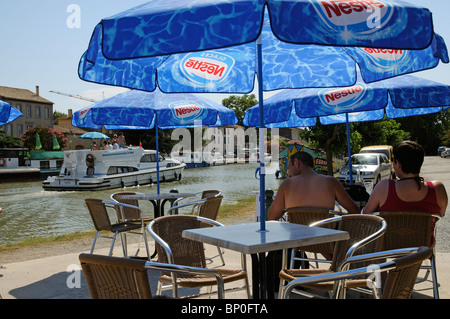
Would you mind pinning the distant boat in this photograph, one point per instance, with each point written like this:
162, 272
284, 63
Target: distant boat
19, 163
105, 169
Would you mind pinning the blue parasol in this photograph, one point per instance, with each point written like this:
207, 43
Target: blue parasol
146, 110
94, 136
8, 113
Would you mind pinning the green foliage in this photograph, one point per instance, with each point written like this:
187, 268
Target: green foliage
45, 136
446, 138
148, 139
57, 115
240, 105
9, 141
427, 130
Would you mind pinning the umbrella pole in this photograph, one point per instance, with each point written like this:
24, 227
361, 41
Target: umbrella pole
350, 169
262, 172
157, 155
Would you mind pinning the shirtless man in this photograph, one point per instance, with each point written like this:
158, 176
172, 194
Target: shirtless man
306, 188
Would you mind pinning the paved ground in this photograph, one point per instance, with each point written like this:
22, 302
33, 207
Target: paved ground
59, 277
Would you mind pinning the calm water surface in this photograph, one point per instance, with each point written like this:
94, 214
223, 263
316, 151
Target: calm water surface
29, 211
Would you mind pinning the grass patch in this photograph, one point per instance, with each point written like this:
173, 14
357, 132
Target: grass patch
40, 241
241, 211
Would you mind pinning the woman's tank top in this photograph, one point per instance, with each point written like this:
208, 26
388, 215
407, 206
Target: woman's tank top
394, 203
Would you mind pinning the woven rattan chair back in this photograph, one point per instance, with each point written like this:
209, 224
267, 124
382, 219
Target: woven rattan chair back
359, 227
99, 214
115, 278
401, 280
408, 229
128, 212
185, 252
210, 208
307, 216
211, 193
412, 229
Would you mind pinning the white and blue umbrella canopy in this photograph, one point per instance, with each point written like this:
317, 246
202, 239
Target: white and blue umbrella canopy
8, 113
233, 69
146, 110
94, 136
394, 98
403, 96
161, 28
143, 110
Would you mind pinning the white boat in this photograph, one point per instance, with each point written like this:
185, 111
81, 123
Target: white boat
104, 169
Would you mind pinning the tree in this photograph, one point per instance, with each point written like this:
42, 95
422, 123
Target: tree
45, 137
333, 138
446, 138
9, 141
148, 139
427, 130
240, 105
330, 138
57, 115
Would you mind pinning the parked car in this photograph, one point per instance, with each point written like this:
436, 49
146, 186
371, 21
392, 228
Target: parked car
367, 167
441, 149
445, 153
387, 150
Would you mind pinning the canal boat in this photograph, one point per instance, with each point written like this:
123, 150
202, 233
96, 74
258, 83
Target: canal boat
19, 164
85, 170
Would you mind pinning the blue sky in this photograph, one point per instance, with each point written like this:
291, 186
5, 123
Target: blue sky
39, 48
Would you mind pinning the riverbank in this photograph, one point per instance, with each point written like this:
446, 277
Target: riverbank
240, 212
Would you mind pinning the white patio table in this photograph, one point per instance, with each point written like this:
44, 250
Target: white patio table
248, 239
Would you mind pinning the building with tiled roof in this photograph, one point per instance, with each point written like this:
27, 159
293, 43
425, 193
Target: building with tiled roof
37, 111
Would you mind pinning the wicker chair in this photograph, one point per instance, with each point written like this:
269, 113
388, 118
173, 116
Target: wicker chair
365, 237
174, 249
308, 216
412, 229
98, 210
399, 284
130, 214
207, 207
115, 278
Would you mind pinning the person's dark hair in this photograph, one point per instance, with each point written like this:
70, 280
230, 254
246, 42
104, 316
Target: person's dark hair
303, 157
411, 155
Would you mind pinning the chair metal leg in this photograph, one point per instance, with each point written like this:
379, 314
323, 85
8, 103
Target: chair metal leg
112, 245
147, 248
244, 267
95, 240
434, 276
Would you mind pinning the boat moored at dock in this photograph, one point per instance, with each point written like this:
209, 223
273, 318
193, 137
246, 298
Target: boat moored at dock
104, 169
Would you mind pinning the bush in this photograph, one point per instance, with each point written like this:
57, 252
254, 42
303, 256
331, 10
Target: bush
45, 136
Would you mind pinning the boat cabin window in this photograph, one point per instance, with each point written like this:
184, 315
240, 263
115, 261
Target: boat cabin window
44, 164
149, 158
121, 169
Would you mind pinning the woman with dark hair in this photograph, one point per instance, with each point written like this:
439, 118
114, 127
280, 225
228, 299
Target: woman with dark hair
409, 192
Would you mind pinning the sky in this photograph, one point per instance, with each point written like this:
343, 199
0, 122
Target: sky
41, 45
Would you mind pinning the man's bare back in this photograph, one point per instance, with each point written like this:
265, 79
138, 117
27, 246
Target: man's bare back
306, 188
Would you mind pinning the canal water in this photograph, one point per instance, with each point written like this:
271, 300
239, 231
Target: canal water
29, 211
